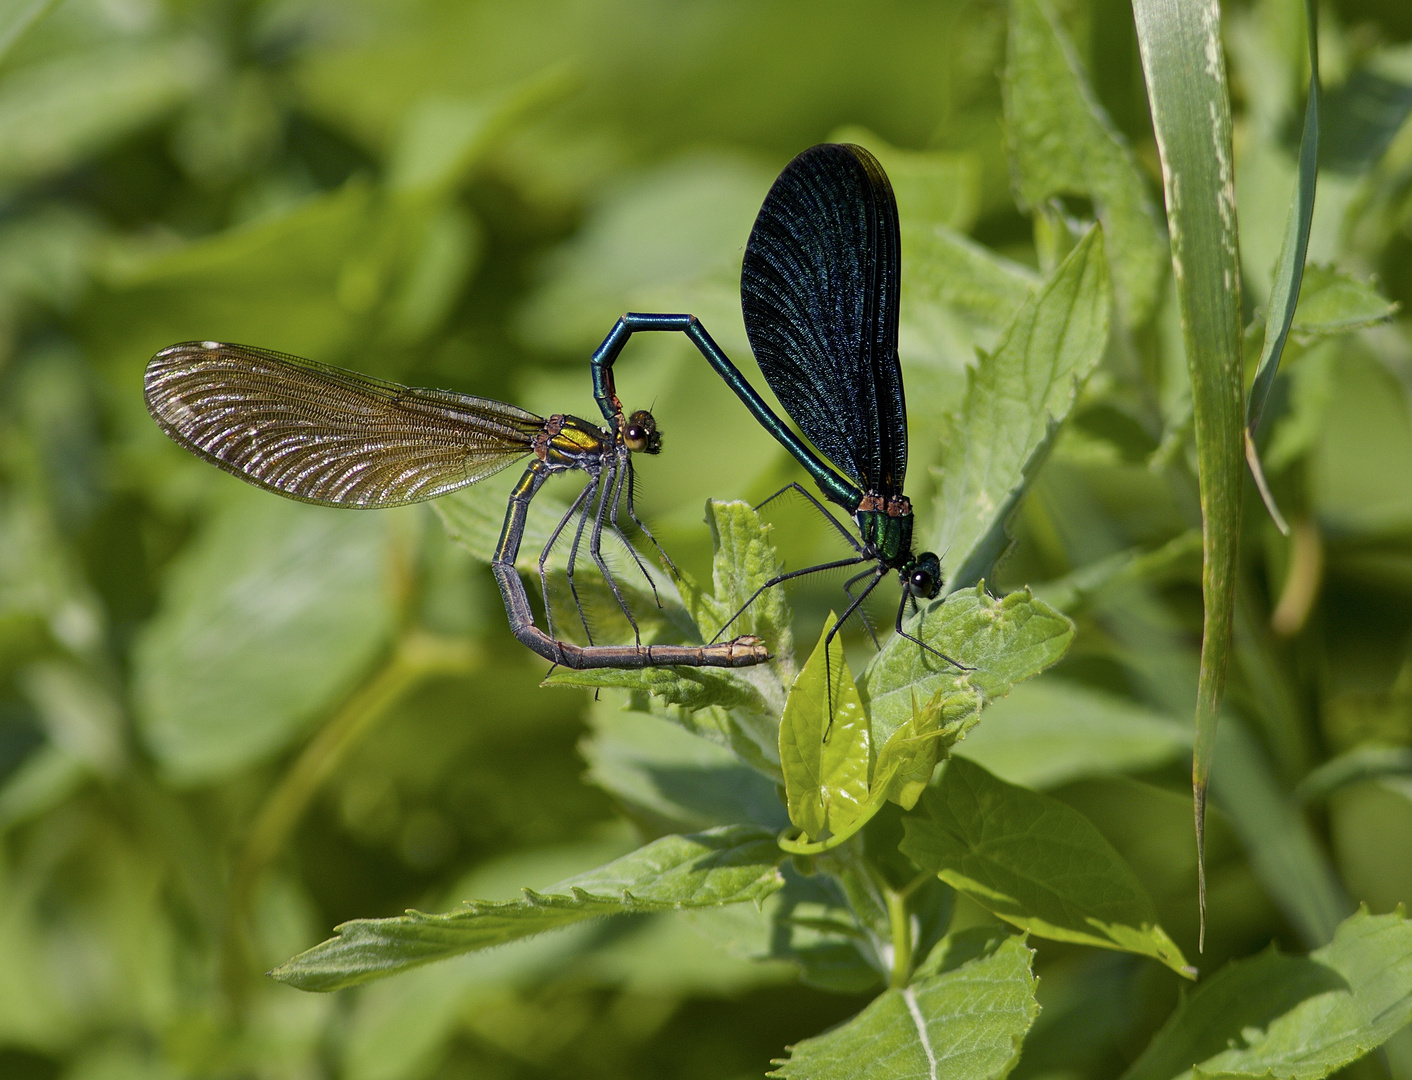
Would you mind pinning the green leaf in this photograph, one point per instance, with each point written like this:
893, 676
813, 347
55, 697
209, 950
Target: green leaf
1062, 143
266, 620
808, 923
1184, 63
1311, 376
672, 781
1365, 762
692, 688
1334, 301
1015, 399
1178, 559
944, 271
963, 1017
296, 281
399, 1027
1034, 862
645, 242
54, 114
1005, 641
1294, 1018
824, 743
442, 137
722, 866
909, 756
1051, 731
743, 561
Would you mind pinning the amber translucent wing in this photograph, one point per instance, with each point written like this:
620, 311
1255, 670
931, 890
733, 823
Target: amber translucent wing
819, 291
326, 435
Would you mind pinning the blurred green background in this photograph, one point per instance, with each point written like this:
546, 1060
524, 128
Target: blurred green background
467, 195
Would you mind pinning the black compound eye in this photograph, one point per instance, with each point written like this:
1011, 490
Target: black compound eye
635, 438
925, 578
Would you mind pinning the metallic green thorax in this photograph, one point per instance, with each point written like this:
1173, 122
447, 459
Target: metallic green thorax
887, 535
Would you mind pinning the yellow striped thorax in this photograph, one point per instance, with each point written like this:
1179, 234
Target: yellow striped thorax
568, 441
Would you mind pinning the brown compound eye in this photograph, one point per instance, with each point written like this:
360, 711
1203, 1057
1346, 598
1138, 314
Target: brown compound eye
640, 433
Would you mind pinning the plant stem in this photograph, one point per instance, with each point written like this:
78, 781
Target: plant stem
416, 656
901, 937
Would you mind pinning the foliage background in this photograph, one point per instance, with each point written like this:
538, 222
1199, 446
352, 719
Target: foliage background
466, 195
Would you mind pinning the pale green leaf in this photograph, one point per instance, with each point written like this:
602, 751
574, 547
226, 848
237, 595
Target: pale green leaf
1178, 559
1367, 761
266, 621
1051, 731
744, 560
963, 1018
1062, 143
692, 688
442, 137
908, 757
297, 281
671, 780
1015, 399
647, 240
1284, 852
1289, 1017
1311, 377
1004, 641
722, 866
1034, 862
808, 923
1334, 301
945, 272
824, 742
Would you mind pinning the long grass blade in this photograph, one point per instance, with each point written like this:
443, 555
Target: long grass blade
1184, 65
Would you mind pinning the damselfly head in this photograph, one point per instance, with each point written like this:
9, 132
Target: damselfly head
640, 433
924, 579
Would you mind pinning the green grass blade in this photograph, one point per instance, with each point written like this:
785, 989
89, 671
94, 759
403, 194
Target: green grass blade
1289, 272
1184, 65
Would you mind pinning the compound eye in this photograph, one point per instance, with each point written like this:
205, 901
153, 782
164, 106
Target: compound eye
635, 437
924, 583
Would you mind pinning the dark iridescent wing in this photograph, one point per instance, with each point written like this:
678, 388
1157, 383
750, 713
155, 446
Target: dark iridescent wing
819, 290
325, 435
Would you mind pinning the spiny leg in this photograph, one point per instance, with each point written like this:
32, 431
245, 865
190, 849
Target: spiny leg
821, 508
867, 622
835, 565
901, 609
625, 479
574, 508
596, 483
632, 513
595, 549
878, 575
